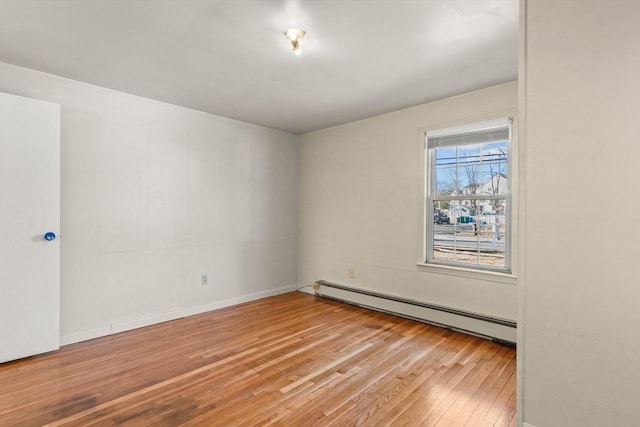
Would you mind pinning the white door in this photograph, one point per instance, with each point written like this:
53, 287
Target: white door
29, 208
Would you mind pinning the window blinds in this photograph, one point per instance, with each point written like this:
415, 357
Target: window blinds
493, 131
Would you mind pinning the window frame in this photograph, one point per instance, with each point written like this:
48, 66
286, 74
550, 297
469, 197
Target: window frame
429, 159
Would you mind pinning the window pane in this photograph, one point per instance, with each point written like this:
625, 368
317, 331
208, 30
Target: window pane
494, 158
469, 168
491, 234
469, 155
495, 151
442, 231
446, 156
445, 181
494, 180
446, 175
470, 232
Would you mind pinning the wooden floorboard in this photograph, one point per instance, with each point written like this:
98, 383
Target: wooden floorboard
289, 360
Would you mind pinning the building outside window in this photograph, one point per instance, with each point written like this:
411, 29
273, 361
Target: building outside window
468, 196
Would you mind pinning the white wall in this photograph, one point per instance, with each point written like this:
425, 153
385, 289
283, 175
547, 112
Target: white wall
360, 204
580, 348
154, 195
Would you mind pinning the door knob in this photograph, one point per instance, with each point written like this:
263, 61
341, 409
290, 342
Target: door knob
49, 236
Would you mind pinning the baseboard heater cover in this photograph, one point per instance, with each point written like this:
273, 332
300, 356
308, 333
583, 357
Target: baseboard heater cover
495, 328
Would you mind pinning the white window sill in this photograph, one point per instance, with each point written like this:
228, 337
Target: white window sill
491, 276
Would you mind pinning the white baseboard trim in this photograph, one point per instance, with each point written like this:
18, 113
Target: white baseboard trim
85, 335
527, 425
169, 315
473, 323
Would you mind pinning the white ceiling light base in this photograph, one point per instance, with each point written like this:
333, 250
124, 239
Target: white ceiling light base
295, 36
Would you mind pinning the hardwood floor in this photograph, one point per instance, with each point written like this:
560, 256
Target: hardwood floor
292, 359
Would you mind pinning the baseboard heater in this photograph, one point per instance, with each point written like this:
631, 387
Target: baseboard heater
494, 328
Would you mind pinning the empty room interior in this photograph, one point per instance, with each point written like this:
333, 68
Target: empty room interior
331, 213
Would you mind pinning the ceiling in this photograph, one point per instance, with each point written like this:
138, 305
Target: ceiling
359, 58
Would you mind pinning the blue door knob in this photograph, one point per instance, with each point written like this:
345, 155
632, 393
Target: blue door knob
49, 235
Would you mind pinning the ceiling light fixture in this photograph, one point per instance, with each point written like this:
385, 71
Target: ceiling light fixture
295, 36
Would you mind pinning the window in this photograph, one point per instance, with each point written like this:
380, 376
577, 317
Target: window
468, 196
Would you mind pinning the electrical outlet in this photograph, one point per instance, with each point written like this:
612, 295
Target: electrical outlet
352, 273
204, 279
